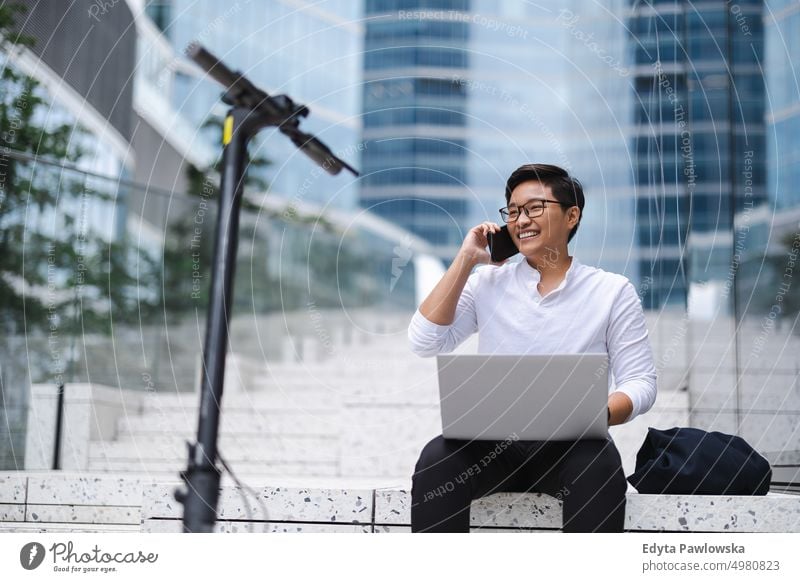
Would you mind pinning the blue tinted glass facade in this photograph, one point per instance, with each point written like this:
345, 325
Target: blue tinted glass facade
310, 53
698, 136
459, 94
414, 118
782, 22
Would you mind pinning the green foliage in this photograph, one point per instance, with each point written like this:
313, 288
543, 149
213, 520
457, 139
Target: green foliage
56, 269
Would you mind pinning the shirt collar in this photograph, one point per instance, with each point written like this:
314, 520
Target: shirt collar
527, 271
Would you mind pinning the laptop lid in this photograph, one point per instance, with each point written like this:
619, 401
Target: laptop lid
524, 397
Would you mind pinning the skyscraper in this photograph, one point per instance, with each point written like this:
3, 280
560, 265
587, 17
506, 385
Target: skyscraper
415, 125
458, 93
698, 130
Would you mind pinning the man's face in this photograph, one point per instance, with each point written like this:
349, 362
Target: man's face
541, 235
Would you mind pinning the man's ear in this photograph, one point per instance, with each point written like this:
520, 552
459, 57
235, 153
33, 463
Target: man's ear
575, 211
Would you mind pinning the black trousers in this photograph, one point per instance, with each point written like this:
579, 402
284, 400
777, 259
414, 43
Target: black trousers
586, 475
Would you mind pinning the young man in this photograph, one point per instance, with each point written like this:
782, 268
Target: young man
547, 303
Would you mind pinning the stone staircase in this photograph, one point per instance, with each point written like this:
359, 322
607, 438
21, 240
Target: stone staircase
318, 419
365, 413
328, 432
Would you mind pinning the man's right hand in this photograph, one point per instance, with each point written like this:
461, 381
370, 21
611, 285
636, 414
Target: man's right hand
440, 306
473, 249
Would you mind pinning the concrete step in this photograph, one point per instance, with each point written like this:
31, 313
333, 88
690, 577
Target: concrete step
258, 401
398, 393
339, 383
361, 365
313, 449
184, 424
242, 467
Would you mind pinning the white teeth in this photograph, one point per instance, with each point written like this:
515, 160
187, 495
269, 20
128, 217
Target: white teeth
528, 234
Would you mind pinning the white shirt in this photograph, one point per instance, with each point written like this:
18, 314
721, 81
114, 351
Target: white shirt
590, 311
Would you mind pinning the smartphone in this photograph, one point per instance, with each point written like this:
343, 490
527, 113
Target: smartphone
501, 246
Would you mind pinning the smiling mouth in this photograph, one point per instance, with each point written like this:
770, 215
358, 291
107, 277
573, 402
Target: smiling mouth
527, 235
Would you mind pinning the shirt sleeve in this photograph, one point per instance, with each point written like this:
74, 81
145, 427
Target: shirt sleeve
429, 339
630, 353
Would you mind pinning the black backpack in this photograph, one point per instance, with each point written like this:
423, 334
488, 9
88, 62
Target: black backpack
693, 461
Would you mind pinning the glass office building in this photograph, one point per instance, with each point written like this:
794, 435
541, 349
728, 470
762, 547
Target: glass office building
698, 124
781, 24
457, 94
311, 53
540, 90
768, 304
715, 145
415, 118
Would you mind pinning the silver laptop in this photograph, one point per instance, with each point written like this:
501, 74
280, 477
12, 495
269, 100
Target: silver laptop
525, 397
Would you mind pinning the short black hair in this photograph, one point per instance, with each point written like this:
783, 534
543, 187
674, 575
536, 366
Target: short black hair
565, 188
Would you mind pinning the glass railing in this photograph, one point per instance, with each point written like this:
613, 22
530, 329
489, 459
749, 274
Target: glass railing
107, 283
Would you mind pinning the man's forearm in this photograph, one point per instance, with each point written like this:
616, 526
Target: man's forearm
620, 406
440, 306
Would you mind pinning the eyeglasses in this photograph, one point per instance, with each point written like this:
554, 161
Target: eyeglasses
532, 209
